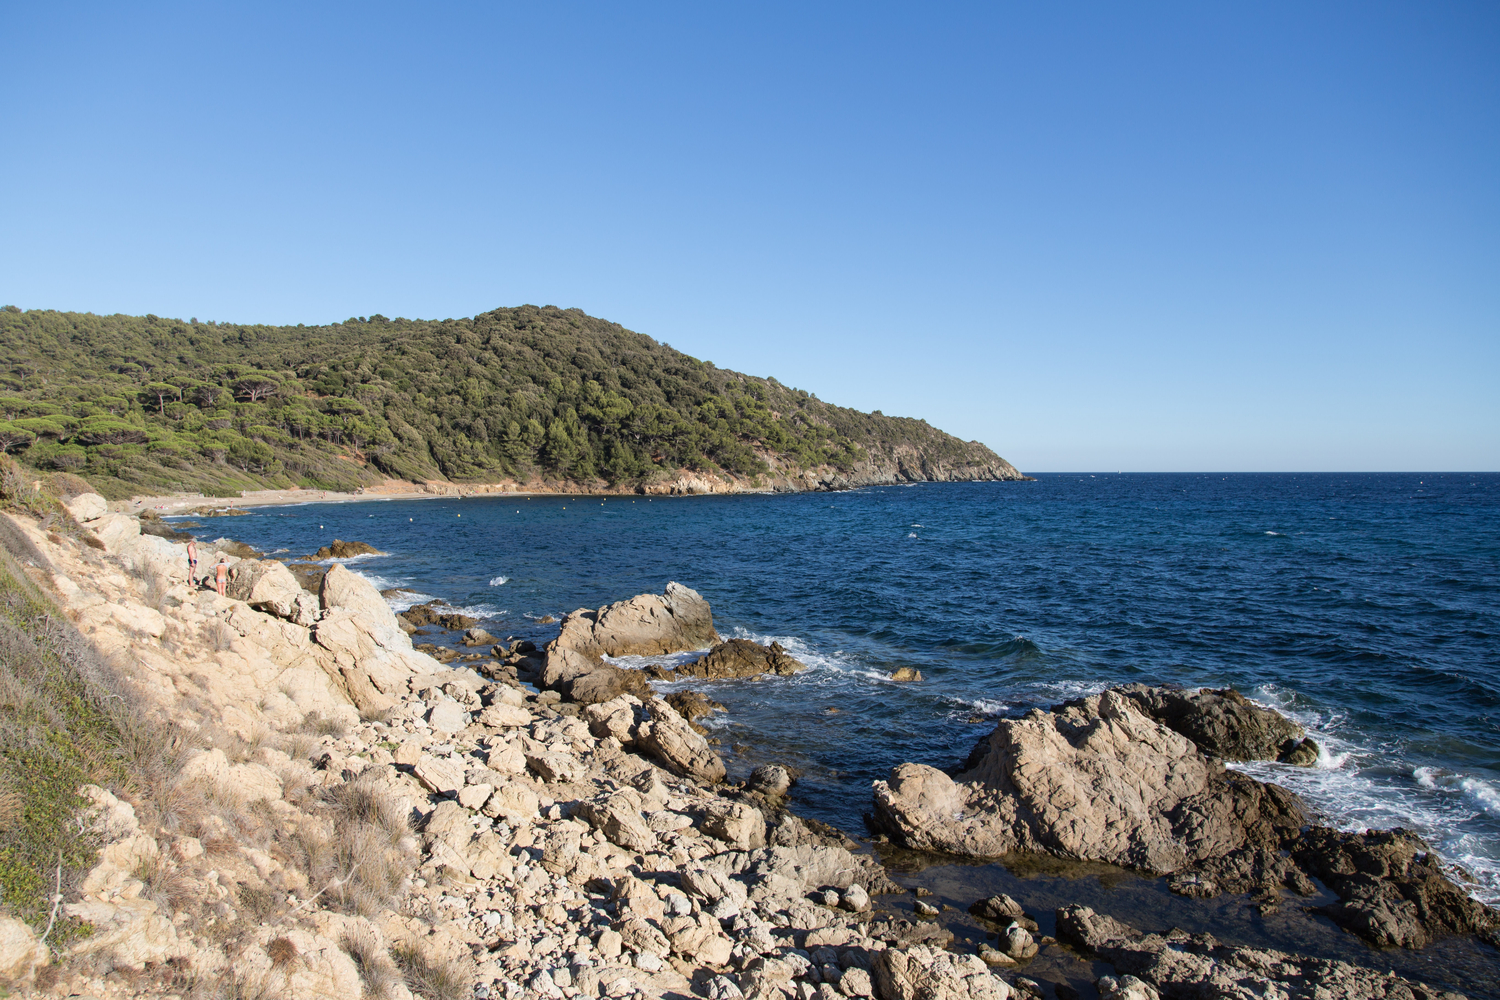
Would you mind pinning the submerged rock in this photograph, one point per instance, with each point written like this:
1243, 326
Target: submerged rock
347, 550
741, 658
692, 706
1178, 964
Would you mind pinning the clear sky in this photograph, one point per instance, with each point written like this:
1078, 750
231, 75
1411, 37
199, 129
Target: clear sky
1194, 236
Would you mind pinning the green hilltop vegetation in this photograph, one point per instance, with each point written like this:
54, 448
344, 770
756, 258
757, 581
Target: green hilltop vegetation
144, 404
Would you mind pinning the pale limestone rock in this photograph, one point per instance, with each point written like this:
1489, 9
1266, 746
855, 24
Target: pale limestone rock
21, 954
618, 817
1097, 780
344, 588
448, 717
441, 774
250, 782
740, 826
645, 625
642, 937
504, 716
556, 767
507, 760
87, 507
132, 617
115, 873
112, 817
114, 530
408, 753
382, 650
267, 585
702, 942
129, 933
920, 973
507, 695
668, 738
319, 969
617, 717
474, 796
515, 803
855, 982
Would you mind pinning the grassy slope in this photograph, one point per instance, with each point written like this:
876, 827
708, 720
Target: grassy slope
142, 404
66, 720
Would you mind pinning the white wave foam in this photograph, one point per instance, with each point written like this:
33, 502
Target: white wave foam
499, 581
912, 535
1276, 534
346, 560
1356, 788
985, 706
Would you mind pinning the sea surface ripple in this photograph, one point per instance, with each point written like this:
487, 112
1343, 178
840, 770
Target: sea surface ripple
1365, 606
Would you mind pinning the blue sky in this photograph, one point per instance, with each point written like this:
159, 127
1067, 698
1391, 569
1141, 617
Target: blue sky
1196, 236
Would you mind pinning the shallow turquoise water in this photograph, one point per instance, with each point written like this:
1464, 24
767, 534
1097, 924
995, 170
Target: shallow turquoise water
1364, 605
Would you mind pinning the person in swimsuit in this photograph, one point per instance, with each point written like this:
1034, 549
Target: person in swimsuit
221, 576
192, 554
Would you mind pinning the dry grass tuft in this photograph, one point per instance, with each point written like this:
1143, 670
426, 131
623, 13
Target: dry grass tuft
432, 979
281, 952
314, 724
376, 970
166, 885
219, 635
363, 865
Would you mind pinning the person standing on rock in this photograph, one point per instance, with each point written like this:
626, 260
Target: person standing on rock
192, 554
221, 576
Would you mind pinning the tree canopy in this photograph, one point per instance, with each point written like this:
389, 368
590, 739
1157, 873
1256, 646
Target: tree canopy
143, 403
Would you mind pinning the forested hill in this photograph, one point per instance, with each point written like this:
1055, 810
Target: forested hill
539, 396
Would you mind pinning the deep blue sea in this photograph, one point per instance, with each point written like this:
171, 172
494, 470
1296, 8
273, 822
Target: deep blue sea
1365, 606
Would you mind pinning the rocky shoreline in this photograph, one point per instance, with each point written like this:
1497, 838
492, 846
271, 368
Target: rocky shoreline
360, 820
897, 468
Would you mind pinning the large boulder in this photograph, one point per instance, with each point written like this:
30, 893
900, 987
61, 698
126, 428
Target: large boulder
267, 585
115, 530
655, 729
21, 954
1094, 780
87, 507
645, 625
341, 549
587, 680
1223, 723
344, 588
741, 658
369, 658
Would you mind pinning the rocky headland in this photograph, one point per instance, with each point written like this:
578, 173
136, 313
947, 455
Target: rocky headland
1135, 777
335, 814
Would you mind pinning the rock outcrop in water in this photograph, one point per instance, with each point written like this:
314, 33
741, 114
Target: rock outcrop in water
645, 625
1178, 964
1225, 724
1097, 779
741, 658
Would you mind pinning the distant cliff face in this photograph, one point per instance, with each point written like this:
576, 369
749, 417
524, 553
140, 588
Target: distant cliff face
546, 398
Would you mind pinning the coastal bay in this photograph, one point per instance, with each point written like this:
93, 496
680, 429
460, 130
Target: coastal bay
435, 715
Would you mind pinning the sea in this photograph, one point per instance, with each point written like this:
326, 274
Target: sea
1364, 606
